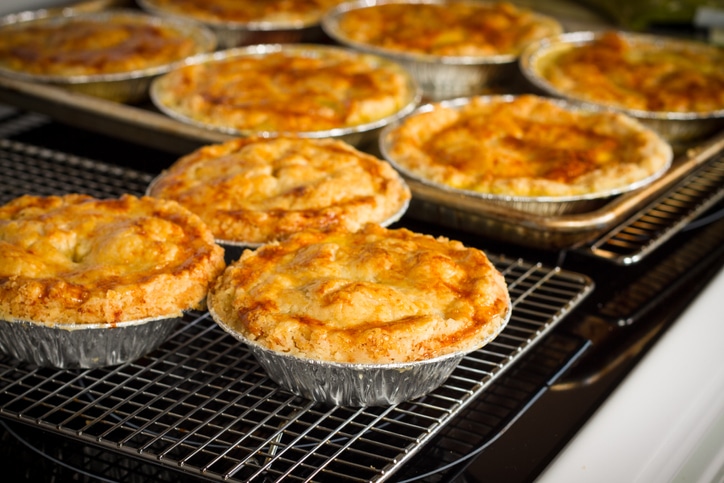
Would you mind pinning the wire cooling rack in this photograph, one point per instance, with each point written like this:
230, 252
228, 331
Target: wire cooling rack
200, 403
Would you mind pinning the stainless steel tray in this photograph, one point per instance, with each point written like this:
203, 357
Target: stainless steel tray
139, 124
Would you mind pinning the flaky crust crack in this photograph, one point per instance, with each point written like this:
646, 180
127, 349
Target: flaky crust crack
526, 146
75, 259
254, 190
374, 296
84, 45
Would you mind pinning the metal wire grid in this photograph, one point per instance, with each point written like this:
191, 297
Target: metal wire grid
488, 416
202, 404
665, 216
462, 438
28, 169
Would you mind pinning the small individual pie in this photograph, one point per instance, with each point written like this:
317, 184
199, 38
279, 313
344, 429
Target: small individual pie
292, 89
525, 146
257, 189
445, 28
298, 12
75, 259
375, 296
114, 42
637, 72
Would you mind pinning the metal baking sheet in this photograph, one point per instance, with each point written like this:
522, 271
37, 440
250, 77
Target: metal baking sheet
137, 123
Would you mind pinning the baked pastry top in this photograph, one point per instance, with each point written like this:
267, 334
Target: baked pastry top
373, 296
475, 29
634, 73
292, 90
75, 259
259, 189
525, 146
88, 45
304, 12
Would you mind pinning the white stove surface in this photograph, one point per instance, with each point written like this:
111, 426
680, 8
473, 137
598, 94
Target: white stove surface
665, 421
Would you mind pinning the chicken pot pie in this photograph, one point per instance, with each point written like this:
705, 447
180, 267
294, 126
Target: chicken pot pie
375, 296
444, 28
451, 48
274, 12
100, 44
310, 91
75, 259
254, 190
525, 146
636, 72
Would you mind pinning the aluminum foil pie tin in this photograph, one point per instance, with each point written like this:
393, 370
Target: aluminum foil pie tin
440, 77
236, 34
356, 135
355, 384
83, 346
125, 87
539, 205
350, 384
675, 127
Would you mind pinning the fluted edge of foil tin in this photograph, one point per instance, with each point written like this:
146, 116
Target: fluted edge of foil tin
124, 87
356, 135
674, 127
439, 77
237, 34
83, 346
355, 384
540, 205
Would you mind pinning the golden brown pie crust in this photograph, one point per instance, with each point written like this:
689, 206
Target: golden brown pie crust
293, 90
665, 76
88, 46
526, 146
258, 189
304, 12
457, 29
374, 296
75, 259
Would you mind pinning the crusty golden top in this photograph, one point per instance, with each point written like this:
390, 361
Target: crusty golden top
526, 146
86, 45
259, 189
668, 76
476, 29
294, 90
77, 259
374, 296
304, 12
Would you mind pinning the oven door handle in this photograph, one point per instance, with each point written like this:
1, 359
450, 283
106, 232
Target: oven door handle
617, 341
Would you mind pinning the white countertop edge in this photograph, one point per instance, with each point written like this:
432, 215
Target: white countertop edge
665, 421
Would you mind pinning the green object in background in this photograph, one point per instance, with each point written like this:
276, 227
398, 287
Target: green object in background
642, 14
